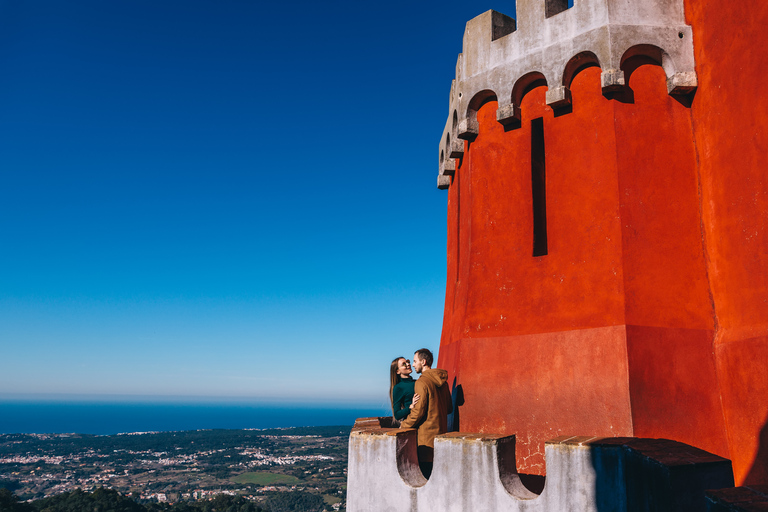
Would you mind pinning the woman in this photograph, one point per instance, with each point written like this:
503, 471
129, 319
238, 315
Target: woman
401, 388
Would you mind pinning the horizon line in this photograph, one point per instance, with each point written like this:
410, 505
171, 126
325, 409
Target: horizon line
114, 398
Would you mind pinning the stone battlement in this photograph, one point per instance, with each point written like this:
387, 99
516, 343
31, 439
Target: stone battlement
477, 472
549, 43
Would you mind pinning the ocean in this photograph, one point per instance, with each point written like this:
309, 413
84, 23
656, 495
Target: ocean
114, 418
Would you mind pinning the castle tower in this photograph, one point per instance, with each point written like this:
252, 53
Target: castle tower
607, 236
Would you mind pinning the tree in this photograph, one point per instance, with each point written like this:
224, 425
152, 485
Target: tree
10, 503
295, 501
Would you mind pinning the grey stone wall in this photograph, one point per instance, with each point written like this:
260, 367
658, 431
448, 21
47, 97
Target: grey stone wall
476, 472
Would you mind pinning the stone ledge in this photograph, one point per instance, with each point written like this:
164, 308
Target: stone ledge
379, 431
374, 422
474, 436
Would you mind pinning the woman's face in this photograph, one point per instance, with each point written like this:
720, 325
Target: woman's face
403, 367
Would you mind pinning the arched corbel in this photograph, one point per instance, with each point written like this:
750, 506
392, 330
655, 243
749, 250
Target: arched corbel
469, 127
509, 114
559, 98
680, 84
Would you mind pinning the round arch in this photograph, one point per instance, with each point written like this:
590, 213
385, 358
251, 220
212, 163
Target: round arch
577, 64
526, 84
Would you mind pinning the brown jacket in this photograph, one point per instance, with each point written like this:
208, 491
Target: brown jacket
430, 414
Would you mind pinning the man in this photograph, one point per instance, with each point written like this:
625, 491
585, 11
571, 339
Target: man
430, 414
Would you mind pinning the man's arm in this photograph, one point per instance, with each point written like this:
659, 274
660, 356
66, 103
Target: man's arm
419, 410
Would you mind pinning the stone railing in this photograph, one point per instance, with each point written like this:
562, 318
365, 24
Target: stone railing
476, 472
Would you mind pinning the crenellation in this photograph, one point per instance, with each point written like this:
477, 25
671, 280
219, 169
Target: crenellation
500, 54
503, 25
553, 7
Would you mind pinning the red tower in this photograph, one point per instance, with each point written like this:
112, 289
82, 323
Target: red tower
607, 226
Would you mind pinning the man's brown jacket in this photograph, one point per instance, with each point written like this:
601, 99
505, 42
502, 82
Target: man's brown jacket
430, 414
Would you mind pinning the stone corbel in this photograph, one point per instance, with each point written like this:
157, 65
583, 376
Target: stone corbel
449, 167
468, 127
612, 81
682, 84
559, 98
509, 116
457, 148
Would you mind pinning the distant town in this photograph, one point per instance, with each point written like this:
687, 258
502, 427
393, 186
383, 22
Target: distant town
262, 466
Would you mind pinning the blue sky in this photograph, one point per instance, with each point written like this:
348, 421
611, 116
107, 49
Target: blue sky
207, 198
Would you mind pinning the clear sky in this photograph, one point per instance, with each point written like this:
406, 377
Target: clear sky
228, 198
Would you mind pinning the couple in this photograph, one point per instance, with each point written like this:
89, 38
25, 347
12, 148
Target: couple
423, 404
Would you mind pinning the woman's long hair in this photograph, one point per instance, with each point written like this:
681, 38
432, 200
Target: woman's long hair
394, 378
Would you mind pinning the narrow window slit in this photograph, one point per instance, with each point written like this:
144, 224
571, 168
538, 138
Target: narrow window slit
457, 177
538, 188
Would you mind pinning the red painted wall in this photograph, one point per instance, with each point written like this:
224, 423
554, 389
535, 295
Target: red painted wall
669, 314
538, 343
649, 314
729, 123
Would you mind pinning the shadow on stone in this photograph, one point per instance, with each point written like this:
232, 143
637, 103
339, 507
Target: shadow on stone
655, 474
534, 483
758, 474
623, 95
457, 398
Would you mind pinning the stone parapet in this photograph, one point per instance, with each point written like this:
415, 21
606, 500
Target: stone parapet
549, 43
474, 472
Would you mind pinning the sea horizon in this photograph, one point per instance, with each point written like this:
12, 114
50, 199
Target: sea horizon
160, 414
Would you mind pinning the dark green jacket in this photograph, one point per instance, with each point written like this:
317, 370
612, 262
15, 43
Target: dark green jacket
402, 396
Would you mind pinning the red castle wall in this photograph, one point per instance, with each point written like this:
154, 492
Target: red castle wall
649, 314
730, 121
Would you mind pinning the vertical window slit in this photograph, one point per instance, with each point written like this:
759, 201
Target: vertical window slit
456, 179
458, 223
538, 188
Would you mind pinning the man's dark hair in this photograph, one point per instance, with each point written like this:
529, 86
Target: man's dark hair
426, 355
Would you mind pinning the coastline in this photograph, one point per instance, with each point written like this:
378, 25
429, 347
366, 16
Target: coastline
108, 418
